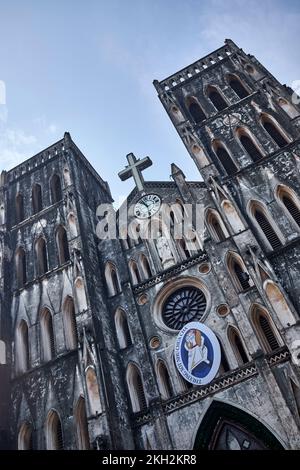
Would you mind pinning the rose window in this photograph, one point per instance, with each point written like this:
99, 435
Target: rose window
183, 306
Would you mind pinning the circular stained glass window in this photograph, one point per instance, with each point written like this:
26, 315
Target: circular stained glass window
183, 306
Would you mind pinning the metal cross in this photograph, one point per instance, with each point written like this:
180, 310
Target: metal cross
134, 170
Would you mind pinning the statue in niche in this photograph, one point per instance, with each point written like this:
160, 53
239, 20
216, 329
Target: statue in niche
164, 251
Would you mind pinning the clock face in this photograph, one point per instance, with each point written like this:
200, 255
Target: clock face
147, 206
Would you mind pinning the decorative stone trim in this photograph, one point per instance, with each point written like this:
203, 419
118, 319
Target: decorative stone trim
170, 272
281, 355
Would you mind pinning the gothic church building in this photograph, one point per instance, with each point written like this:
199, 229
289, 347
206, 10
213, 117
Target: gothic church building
88, 326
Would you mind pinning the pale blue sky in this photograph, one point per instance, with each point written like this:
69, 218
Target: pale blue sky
87, 67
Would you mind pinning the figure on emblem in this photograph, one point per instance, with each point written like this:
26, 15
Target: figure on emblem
197, 351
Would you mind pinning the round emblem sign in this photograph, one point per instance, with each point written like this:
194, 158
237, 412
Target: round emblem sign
197, 353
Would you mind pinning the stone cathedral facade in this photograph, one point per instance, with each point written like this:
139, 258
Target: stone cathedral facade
88, 326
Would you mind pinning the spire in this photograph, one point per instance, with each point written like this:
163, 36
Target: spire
176, 171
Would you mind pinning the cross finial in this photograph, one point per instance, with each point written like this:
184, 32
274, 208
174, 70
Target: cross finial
134, 169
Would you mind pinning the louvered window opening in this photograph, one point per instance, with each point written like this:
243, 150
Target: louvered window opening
140, 393
243, 276
292, 208
59, 436
226, 161
166, 380
126, 331
268, 230
268, 333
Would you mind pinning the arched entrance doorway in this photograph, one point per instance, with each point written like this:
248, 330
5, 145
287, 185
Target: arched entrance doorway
225, 427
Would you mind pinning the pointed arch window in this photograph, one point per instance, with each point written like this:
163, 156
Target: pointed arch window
216, 98
136, 388
291, 202
134, 271
122, 329
56, 191
37, 204
70, 325
21, 267
274, 131
54, 433
237, 86
195, 110
164, 381
266, 225
248, 144
225, 159
184, 252
144, 263
288, 108
238, 346
41, 256
216, 225
238, 271
62, 245
22, 347
19, 208
83, 441
93, 391
25, 437
47, 335
112, 279
265, 329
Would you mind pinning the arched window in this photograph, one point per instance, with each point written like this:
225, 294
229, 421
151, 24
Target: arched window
278, 303
249, 145
62, 245
144, 263
41, 256
266, 225
21, 267
54, 434
135, 275
72, 225
216, 98
288, 108
232, 216
216, 225
55, 186
182, 248
164, 381
290, 201
225, 159
237, 86
112, 279
238, 346
80, 294
25, 437
70, 324
122, 329
22, 347
136, 388
224, 365
19, 208
83, 441
93, 391
274, 131
238, 272
37, 204
265, 329
47, 335
195, 110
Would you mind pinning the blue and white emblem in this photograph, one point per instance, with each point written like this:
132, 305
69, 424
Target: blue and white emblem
197, 353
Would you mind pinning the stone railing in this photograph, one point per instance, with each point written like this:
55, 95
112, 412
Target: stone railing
35, 161
176, 269
195, 68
